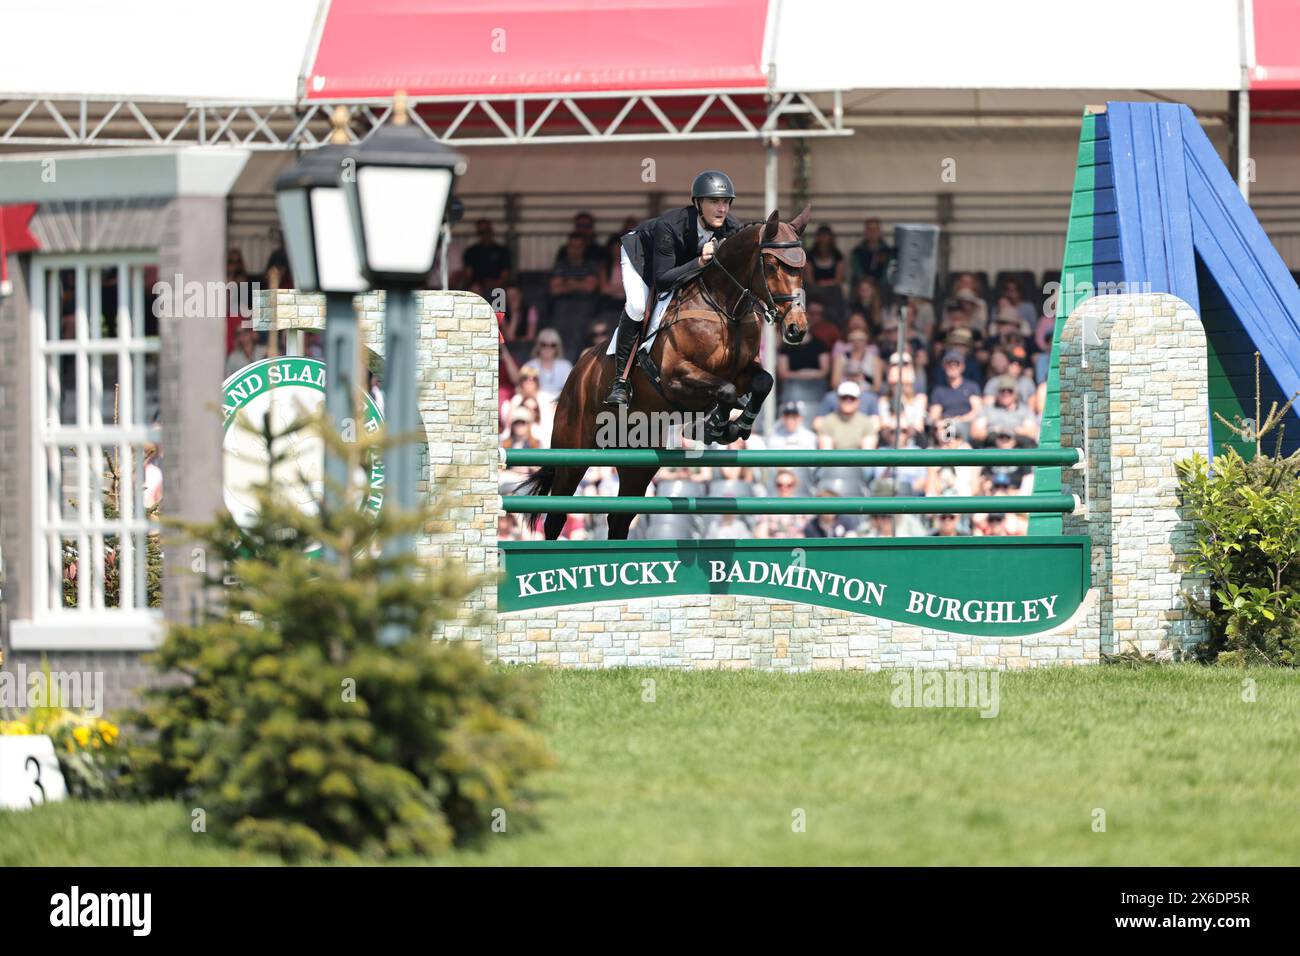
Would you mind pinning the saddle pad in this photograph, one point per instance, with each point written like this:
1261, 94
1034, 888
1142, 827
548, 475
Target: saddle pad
656, 317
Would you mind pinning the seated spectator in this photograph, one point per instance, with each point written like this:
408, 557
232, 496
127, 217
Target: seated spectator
802, 372
1008, 319
867, 300
904, 526
1005, 414
549, 361
728, 526
1013, 295
964, 342
968, 288
825, 273
880, 526
790, 431
1005, 476
1001, 364
821, 327
530, 395
521, 431
960, 480
826, 525
520, 325
847, 428
913, 476
919, 315
856, 359
871, 256
247, 350
782, 526
946, 526
733, 481
900, 401
955, 402
574, 282
487, 262
584, 227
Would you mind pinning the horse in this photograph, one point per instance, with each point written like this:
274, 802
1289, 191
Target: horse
706, 351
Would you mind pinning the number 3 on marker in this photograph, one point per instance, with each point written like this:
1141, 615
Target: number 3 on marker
35, 766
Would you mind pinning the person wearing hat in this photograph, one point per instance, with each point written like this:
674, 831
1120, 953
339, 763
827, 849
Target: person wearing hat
847, 428
1002, 363
530, 396
956, 401
1007, 413
966, 342
790, 431
966, 289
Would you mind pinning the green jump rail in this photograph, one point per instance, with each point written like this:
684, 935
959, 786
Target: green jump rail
791, 457
942, 504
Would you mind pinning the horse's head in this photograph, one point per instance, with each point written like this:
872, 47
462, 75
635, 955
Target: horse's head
781, 252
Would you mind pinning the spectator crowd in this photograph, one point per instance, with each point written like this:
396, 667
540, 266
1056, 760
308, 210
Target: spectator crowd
878, 370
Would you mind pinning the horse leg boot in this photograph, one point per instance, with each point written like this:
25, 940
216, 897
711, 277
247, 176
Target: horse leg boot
628, 328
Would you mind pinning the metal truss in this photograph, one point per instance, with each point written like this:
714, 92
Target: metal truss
663, 115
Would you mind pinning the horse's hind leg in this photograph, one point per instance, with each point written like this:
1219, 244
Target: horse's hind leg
632, 482
566, 483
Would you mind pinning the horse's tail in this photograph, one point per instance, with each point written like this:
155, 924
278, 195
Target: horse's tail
538, 483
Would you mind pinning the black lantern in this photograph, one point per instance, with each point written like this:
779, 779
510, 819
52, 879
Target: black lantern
314, 214
398, 199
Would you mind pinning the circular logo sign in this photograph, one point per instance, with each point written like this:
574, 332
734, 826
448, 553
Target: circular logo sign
285, 389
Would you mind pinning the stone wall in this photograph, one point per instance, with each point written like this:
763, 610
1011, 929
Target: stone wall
457, 369
1133, 368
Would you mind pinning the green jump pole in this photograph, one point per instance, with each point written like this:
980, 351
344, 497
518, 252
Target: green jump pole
943, 504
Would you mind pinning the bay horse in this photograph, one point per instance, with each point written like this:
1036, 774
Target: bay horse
706, 352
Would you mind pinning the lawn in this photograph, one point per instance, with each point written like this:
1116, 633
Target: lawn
718, 767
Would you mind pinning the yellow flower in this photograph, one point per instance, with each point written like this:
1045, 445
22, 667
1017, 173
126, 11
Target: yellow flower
81, 735
107, 731
15, 728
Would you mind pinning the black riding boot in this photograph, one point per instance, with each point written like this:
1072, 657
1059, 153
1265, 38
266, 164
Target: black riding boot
628, 327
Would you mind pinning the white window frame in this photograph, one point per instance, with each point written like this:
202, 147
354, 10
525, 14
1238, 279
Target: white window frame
133, 625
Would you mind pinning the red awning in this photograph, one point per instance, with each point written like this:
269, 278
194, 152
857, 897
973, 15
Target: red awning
486, 48
1277, 45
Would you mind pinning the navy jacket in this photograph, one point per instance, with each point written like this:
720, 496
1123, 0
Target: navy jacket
666, 249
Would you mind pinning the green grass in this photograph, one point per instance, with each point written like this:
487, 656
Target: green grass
713, 770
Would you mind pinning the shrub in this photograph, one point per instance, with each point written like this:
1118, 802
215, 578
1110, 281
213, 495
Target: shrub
1247, 521
297, 730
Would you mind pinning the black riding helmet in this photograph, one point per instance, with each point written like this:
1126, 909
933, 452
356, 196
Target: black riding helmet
712, 184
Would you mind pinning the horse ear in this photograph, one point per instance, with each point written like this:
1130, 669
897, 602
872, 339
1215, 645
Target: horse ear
773, 223
800, 222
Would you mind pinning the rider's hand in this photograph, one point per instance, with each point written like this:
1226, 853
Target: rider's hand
706, 253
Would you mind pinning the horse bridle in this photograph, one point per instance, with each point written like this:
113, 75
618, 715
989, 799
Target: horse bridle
770, 311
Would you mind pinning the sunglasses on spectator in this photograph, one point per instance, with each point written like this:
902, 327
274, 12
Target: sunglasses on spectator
550, 345
785, 484
947, 517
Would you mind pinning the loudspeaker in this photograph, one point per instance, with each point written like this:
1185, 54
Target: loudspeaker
916, 246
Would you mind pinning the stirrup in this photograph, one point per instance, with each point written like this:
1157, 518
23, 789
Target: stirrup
619, 393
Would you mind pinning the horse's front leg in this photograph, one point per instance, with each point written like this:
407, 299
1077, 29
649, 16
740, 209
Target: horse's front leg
692, 386
760, 386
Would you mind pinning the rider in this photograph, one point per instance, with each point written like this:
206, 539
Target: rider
663, 252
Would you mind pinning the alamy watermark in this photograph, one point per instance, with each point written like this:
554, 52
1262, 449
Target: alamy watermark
974, 689
179, 299
75, 690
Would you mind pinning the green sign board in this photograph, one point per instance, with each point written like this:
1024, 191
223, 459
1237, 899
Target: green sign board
993, 586
284, 389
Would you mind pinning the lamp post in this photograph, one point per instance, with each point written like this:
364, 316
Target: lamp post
323, 256
397, 200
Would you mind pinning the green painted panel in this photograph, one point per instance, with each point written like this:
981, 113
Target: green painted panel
980, 586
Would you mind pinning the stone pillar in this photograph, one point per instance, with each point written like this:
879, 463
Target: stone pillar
457, 369
1133, 367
